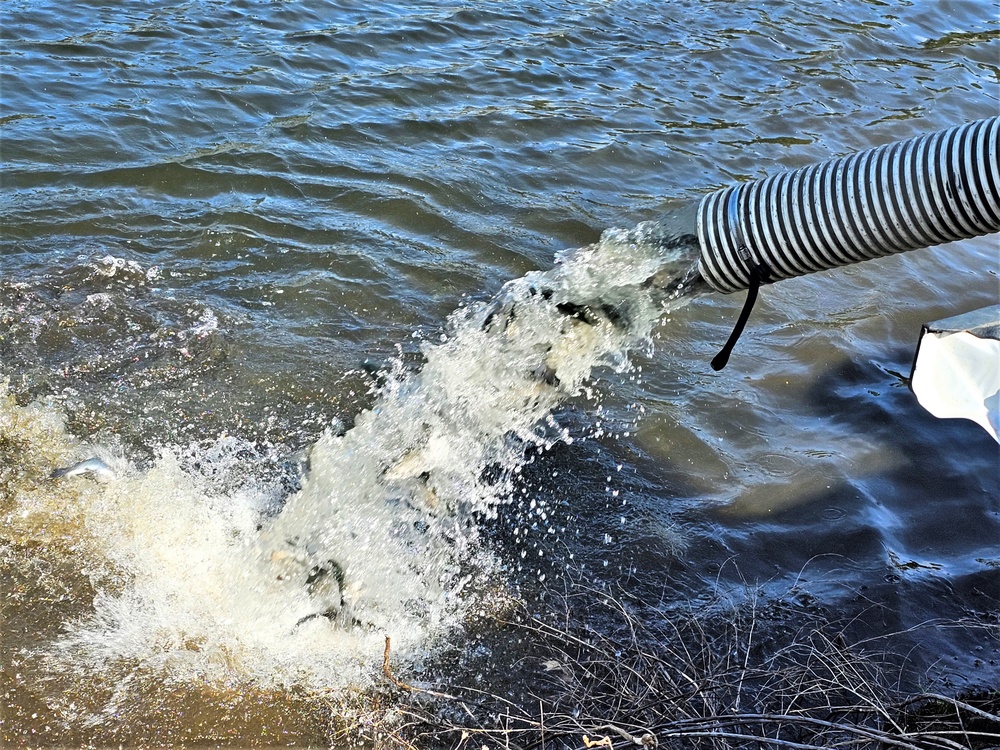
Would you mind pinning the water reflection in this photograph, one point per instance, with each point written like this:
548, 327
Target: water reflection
318, 191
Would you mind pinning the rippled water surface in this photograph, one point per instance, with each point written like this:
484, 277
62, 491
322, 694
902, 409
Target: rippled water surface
230, 227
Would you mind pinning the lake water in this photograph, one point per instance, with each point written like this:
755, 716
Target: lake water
247, 257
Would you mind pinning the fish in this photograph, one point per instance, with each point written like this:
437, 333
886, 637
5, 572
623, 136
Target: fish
435, 453
94, 466
326, 584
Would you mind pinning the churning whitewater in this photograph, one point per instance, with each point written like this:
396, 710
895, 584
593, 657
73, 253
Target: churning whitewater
196, 582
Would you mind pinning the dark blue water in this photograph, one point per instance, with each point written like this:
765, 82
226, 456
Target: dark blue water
220, 221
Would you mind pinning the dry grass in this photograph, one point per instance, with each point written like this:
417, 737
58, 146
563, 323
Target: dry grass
609, 672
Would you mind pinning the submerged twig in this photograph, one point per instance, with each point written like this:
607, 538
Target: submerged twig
403, 685
387, 672
643, 678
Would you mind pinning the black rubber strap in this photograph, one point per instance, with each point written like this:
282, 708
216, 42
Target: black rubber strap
759, 274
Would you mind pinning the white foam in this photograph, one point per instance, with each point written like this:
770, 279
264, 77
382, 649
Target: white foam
189, 586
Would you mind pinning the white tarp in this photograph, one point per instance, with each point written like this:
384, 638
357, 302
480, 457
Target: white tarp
956, 371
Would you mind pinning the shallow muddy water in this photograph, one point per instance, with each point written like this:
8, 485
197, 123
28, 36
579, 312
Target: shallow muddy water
290, 270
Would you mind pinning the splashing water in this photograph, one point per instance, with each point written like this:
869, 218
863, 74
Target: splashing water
202, 582
389, 508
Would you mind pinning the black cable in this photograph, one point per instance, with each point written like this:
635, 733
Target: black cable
759, 274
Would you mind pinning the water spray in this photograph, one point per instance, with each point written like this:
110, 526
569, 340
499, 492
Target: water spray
382, 537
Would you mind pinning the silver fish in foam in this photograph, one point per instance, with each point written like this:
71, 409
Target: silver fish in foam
95, 467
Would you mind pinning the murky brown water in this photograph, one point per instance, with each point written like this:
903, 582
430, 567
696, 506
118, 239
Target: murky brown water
219, 219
